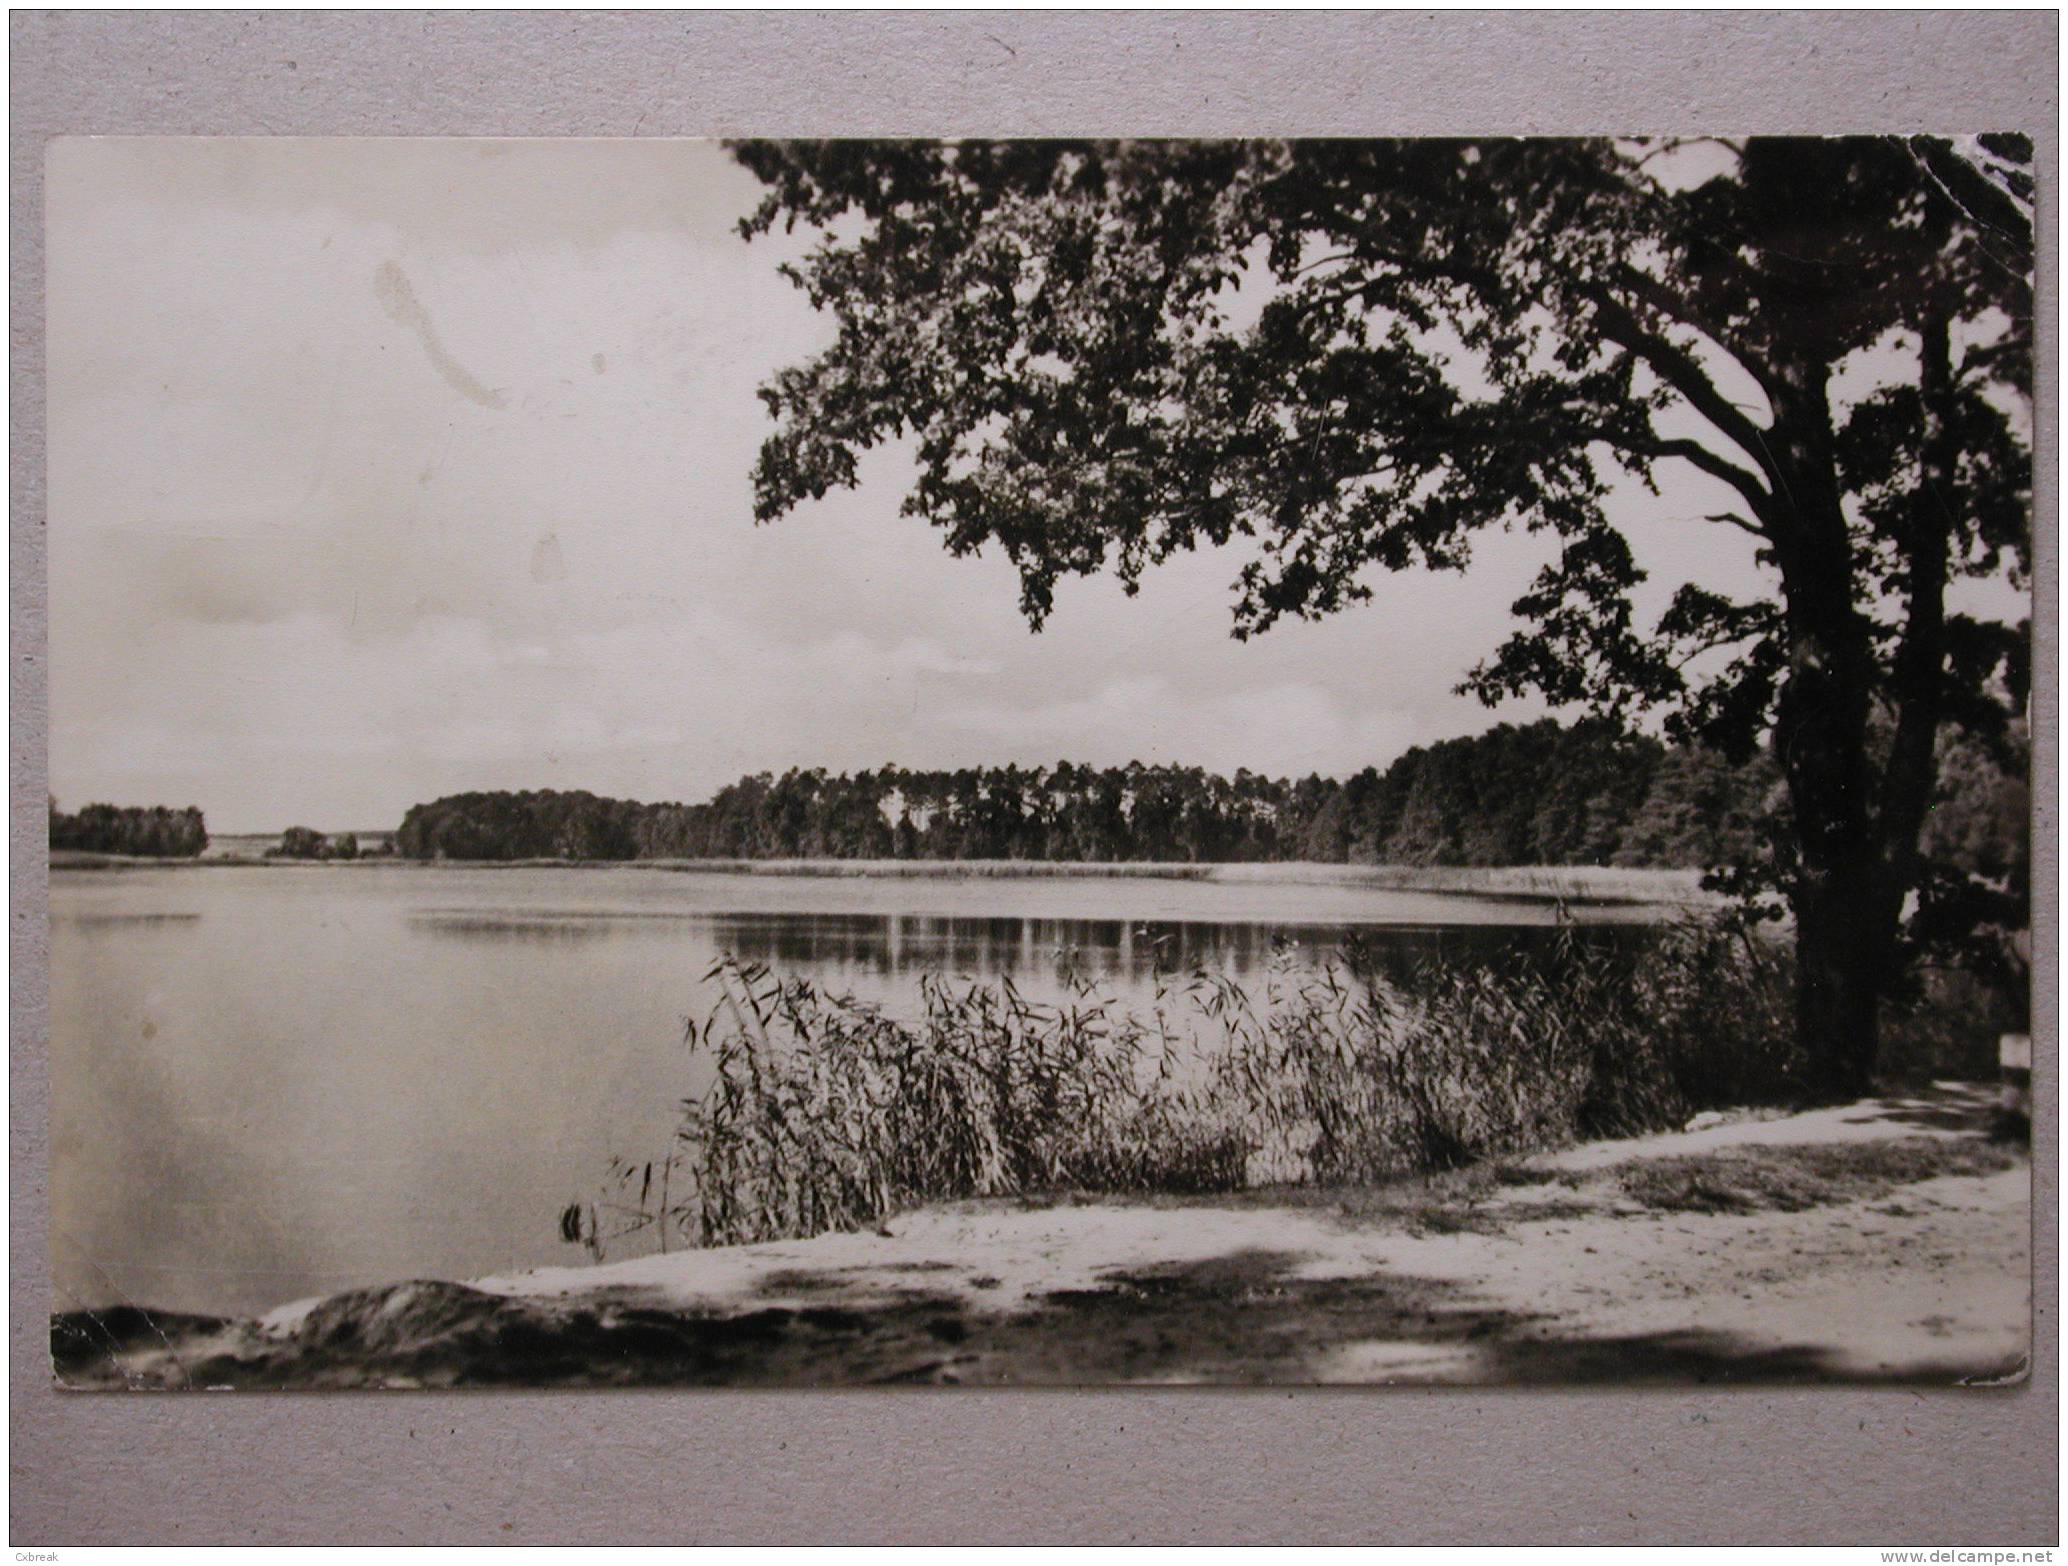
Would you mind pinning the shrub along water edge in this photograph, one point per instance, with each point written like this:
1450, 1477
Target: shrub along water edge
824, 1112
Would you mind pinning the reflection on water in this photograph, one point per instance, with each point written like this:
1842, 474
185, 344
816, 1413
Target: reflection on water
98, 921
833, 948
272, 1083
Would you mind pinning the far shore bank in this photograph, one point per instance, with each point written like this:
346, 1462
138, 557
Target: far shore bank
1886, 1240
1535, 882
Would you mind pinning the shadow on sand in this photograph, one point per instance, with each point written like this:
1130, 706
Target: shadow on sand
1248, 1317
1960, 1107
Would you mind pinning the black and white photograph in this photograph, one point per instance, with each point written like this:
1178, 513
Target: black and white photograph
1036, 762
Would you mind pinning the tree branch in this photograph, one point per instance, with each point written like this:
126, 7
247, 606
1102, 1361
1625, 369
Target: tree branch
1678, 368
1756, 494
1675, 307
1736, 521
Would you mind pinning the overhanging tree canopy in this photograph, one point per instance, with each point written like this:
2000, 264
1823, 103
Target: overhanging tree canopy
1358, 354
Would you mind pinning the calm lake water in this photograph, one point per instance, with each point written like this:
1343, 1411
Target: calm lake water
270, 1082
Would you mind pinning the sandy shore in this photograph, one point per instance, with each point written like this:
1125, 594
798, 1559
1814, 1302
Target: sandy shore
1887, 1240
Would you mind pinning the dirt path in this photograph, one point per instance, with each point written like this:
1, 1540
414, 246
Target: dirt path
1883, 1241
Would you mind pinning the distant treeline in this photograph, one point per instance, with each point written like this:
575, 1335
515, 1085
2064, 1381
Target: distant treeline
151, 830
300, 842
1540, 794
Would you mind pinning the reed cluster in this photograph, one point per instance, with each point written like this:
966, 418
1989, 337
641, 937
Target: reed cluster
824, 1112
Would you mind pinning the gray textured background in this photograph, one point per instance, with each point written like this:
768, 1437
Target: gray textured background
1826, 1466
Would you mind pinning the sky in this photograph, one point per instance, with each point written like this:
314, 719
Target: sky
381, 470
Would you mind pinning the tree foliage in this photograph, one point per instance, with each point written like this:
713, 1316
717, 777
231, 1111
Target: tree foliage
534, 824
151, 831
1352, 356
1539, 794
300, 842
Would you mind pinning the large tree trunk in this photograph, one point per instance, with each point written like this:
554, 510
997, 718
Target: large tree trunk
1845, 900
1858, 826
1837, 985
1844, 936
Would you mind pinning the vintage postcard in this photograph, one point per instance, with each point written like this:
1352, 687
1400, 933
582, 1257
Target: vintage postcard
1387, 761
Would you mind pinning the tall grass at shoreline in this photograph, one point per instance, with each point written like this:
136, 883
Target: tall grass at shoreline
827, 1113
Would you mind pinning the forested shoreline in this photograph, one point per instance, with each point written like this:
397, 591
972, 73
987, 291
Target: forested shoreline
1540, 794
147, 831
1536, 794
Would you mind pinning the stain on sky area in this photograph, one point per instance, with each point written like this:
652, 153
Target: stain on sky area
391, 286
547, 563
